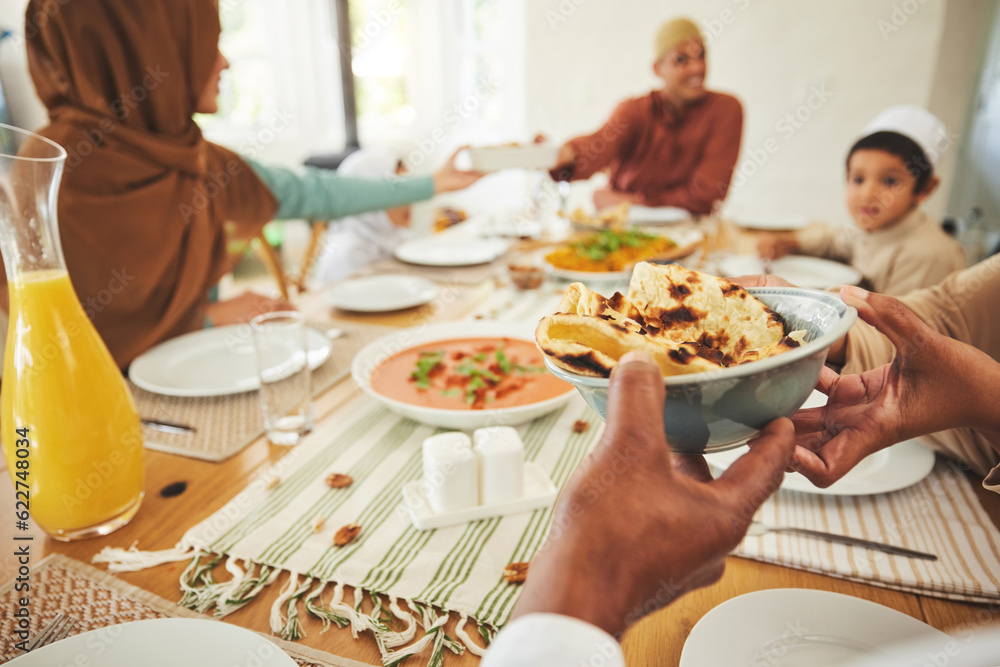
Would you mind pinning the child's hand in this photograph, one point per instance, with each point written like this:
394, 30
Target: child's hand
773, 246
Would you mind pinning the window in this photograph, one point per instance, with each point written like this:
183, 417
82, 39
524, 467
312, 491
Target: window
438, 72
281, 97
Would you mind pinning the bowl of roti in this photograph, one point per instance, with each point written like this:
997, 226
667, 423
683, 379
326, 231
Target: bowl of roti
732, 359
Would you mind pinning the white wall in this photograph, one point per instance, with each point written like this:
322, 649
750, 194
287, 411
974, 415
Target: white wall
586, 55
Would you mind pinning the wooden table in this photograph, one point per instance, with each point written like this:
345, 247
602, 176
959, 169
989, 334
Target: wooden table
657, 640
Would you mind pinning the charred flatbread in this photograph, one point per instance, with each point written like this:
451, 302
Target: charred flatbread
686, 321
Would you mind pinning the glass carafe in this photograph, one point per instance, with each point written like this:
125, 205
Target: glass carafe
70, 432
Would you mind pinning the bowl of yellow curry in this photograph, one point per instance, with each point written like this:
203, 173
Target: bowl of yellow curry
610, 254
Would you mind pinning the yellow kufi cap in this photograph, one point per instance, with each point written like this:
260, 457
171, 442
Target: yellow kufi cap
673, 33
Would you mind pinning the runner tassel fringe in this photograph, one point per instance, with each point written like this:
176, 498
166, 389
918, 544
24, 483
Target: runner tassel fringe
286, 625
202, 592
131, 559
474, 648
249, 589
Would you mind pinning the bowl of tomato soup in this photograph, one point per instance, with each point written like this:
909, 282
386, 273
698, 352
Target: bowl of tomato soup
461, 375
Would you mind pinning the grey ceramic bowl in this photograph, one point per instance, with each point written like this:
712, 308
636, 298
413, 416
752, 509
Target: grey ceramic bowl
718, 410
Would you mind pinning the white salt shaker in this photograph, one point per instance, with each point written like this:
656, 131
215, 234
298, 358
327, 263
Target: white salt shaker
450, 473
501, 464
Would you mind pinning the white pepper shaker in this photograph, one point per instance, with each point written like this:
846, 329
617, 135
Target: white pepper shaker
450, 472
500, 453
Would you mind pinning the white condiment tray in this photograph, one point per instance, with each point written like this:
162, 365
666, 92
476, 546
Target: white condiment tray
539, 491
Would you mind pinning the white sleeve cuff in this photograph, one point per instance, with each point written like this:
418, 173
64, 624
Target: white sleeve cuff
550, 640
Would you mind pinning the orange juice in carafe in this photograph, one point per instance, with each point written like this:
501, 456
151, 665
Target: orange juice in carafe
63, 392
70, 433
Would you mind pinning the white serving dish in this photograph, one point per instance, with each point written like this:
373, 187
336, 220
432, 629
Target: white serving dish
539, 491
382, 293
211, 362
372, 355
526, 156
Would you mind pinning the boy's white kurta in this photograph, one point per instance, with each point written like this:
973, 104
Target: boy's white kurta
911, 254
354, 242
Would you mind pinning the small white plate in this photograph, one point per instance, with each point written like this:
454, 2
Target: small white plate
774, 223
161, 642
684, 238
793, 626
378, 294
890, 469
800, 270
210, 362
451, 251
657, 215
539, 491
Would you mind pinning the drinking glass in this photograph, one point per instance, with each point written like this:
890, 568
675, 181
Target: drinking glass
285, 378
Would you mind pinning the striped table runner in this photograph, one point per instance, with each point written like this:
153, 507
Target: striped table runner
459, 569
940, 515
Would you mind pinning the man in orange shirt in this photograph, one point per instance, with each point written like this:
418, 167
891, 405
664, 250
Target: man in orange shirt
676, 146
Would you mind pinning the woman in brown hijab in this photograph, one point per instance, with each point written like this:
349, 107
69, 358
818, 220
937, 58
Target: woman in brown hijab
145, 199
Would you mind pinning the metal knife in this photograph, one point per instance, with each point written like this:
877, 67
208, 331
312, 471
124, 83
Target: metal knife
169, 427
758, 528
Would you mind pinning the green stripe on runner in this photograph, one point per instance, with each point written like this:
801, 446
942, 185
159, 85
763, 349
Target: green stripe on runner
407, 557
511, 595
535, 534
370, 519
291, 487
394, 557
450, 587
301, 530
458, 556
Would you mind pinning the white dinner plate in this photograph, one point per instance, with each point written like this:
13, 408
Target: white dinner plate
377, 294
794, 626
161, 642
684, 238
891, 469
210, 362
451, 251
657, 215
800, 270
774, 223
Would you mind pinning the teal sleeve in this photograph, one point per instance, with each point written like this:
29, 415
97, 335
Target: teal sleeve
322, 194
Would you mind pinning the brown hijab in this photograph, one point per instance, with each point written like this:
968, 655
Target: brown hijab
144, 197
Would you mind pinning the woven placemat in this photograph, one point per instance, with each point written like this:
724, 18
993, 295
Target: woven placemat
97, 600
226, 424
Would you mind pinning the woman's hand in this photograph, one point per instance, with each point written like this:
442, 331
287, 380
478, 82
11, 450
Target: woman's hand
449, 177
934, 383
243, 308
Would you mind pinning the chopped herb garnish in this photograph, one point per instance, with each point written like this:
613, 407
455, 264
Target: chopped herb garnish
502, 361
609, 241
427, 362
481, 357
